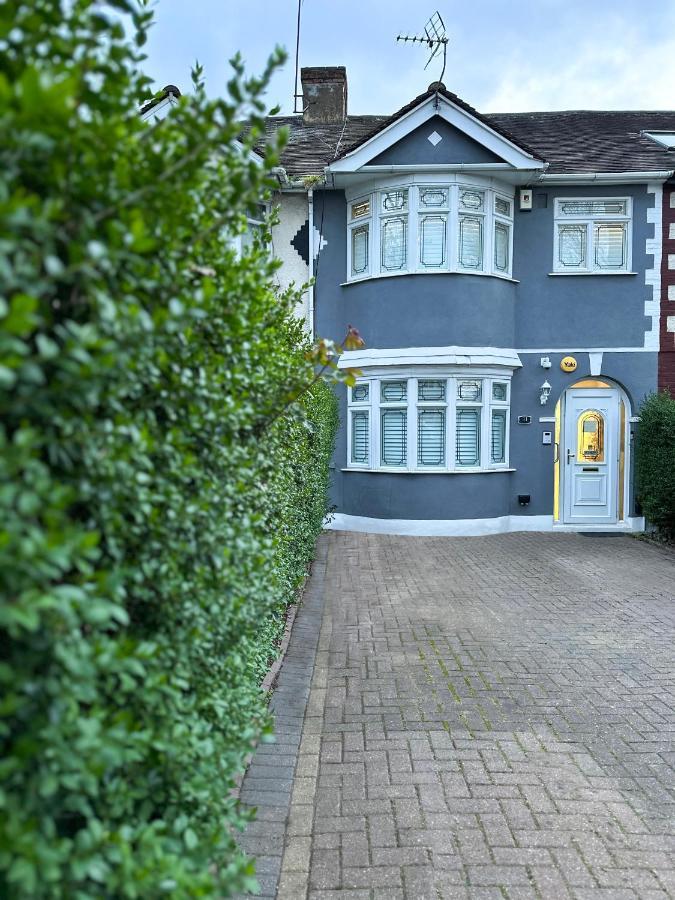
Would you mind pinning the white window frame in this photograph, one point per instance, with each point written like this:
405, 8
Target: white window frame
360, 406
374, 405
240, 242
414, 213
353, 225
590, 221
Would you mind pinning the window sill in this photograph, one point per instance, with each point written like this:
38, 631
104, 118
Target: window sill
613, 274
439, 272
429, 471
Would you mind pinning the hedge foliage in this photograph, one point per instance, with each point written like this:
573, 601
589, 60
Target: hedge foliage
160, 493
655, 461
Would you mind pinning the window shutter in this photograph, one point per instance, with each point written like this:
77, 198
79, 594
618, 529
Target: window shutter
431, 437
360, 437
498, 436
432, 241
471, 242
610, 246
468, 437
393, 437
360, 250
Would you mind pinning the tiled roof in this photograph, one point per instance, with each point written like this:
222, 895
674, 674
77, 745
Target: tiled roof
593, 140
572, 141
312, 147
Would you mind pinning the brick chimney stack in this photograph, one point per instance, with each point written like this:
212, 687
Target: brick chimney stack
324, 94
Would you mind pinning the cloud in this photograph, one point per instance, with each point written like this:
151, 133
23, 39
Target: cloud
624, 72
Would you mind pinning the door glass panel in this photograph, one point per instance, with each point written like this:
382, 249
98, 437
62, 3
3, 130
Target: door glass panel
591, 437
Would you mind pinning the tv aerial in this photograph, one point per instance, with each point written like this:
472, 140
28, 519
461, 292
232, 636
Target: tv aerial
434, 37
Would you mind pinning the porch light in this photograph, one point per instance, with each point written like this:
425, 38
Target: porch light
545, 393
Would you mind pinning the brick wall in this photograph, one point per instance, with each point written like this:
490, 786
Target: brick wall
667, 337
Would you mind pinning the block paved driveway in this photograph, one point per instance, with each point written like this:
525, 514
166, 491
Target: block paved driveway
488, 717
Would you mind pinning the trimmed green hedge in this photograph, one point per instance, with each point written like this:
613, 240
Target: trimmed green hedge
160, 490
655, 461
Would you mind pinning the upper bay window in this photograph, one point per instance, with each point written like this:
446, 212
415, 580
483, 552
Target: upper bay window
458, 227
592, 235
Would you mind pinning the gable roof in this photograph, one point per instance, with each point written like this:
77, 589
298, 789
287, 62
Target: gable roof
572, 141
438, 88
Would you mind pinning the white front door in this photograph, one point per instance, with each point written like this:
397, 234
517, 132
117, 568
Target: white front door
590, 456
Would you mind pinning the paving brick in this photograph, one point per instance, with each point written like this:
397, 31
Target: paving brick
475, 718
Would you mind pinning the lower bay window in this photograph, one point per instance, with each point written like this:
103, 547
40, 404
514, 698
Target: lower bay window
431, 423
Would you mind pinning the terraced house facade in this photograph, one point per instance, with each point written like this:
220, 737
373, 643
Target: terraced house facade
513, 277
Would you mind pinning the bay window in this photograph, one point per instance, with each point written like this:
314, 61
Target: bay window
458, 227
592, 235
432, 423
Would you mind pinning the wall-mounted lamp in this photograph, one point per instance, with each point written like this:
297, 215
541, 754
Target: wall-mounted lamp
545, 393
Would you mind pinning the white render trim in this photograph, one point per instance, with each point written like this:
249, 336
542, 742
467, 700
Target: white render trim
602, 273
595, 360
427, 470
605, 177
566, 350
437, 105
357, 279
438, 167
426, 356
654, 248
468, 527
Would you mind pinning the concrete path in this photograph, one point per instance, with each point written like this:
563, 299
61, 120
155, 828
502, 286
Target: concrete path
487, 717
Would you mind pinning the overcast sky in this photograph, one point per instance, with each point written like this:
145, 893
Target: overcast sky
503, 55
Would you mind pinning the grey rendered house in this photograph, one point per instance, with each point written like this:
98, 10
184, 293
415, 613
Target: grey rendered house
510, 276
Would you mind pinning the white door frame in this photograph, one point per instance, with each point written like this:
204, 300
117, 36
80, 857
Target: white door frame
623, 446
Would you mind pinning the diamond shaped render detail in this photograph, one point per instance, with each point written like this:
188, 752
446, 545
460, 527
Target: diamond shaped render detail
434, 138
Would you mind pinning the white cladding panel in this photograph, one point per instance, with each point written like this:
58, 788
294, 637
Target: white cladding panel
293, 214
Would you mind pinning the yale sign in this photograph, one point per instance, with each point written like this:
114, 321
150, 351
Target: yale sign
568, 364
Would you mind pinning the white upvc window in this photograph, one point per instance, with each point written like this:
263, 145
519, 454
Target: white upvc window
255, 228
394, 230
359, 243
429, 423
592, 235
503, 234
436, 227
432, 228
471, 229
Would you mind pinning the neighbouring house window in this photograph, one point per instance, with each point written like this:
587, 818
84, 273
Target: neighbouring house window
446, 423
456, 227
592, 235
255, 224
